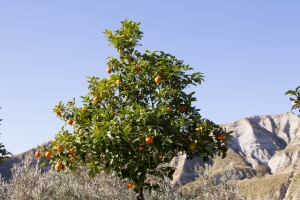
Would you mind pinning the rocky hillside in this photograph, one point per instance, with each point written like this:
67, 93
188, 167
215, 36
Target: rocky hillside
268, 140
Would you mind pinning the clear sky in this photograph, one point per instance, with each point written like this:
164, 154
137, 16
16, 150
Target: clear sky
249, 52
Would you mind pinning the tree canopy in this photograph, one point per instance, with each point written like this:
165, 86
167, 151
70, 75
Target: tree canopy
135, 121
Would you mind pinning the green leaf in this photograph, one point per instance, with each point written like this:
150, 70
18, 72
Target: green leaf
290, 92
43, 164
92, 173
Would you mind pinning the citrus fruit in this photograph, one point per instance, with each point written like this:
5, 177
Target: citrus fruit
71, 151
221, 136
192, 146
130, 185
70, 122
157, 79
60, 149
149, 140
109, 70
37, 154
138, 69
141, 148
198, 130
96, 99
118, 81
48, 154
182, 109
58, 165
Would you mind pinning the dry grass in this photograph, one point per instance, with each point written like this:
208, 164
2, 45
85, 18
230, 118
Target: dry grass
220, 187
239, 163
266, 187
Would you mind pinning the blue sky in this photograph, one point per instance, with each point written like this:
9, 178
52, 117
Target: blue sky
249, 52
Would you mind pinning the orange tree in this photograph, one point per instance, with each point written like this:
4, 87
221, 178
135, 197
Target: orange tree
4, 154
296, 97
137, 120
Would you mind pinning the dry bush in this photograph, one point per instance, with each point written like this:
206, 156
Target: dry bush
30, 183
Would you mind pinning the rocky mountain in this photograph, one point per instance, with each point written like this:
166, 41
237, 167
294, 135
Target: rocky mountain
268, 140
27, 156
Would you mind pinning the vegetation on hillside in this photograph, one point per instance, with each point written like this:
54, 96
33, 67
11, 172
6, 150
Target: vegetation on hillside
30, 183
4, 154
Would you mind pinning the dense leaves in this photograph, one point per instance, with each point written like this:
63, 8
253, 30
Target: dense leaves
296, 97
135, 121
4, 154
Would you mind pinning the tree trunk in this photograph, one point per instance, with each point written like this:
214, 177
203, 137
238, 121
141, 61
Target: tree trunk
140, 194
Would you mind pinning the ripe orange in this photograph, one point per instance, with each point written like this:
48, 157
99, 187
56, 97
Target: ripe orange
192, 146
118, 81
141, 148
58, 165
130, 185
70, 122
60, 149
109, 70
37, 154
83, 110
124, 36
157, 79
149, 140
182, 109
138, 69
71, 151
198, 130
48, 154
221, 136
96, 99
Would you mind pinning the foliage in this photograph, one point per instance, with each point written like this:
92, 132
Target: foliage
138, 119
296, 97
4, 154
30, 183
209, 186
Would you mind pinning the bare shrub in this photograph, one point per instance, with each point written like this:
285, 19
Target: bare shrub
30, 183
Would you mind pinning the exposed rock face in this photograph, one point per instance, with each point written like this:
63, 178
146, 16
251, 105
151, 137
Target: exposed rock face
270, 140
28, 156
